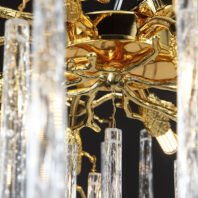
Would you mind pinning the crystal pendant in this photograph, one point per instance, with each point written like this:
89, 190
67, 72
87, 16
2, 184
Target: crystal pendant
187, 37
71, 175
175, 179
94, 185
145, 166
112, 164
14, 105
103, 171
46, 157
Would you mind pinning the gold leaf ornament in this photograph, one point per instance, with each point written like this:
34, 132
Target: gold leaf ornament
73, 10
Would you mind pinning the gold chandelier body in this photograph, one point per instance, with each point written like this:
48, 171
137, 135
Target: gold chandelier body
123, 63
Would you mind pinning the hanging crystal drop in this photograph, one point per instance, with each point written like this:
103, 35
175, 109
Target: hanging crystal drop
46, 157
103, 170
71, 174
14, 103
112, 165
94, 185
175, 179
145, 166
187, 37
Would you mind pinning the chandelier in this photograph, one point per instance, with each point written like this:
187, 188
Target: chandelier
62, 64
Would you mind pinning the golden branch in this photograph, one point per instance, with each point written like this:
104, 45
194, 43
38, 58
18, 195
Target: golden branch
8, 13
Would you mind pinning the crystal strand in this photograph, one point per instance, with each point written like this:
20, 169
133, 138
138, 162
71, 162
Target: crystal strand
145, 166
14, 101
113, 162
94, 185
187, 37
46, 159
175, 179
103, 170
71, 175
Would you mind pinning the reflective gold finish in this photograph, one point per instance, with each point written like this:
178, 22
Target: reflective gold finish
1, 40
81, 192
8, 13
125, 63
92, 160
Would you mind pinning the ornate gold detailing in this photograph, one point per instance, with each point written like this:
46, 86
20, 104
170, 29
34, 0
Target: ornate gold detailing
81, 191
73, 10
156, 123
1, 40
104, 1
22, 6
8, 13
78, 25
92, 159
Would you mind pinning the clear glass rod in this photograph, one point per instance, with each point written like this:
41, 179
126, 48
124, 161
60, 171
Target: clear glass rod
187, 40
71, 174
46, 125
145, 166
16, 72
94, 185
112, 165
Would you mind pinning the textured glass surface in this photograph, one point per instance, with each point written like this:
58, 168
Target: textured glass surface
71, 175
145, 166
112, 165
187, 35
175, 179
94, 185
46, 125
103, 170
14, 102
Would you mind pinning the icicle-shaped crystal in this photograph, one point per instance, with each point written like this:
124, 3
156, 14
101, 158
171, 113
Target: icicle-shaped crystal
103, 170
187, 37
71, 175
175, 179
112, 170
145, 166
14, 103
46, 160
94, 185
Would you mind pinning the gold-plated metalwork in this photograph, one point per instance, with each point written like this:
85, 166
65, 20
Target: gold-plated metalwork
92, 159
22, 6
125, 65
1, 40
104, 1
123, 62
81, 191
8, 13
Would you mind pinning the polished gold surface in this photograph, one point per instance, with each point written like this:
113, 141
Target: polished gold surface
123, 61
1, 40
8, 13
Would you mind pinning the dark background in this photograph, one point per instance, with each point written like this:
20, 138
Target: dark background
162, 164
